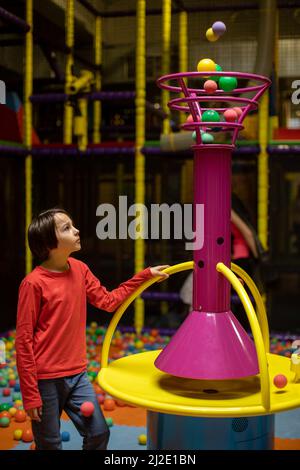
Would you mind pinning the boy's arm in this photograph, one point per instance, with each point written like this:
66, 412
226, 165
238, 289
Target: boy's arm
28, 310
100, 297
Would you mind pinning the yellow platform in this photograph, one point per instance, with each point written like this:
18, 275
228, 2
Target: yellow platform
135, 380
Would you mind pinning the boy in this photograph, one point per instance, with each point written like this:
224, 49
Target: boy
50, 339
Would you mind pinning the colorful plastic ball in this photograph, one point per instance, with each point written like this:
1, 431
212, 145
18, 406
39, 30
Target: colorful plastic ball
109, 404
20, 416
207, 138
211, 36
18, 434
12, 411
18, 403
5, 414
65, 436
120, 403
230, 115
5, 406
191, 119
216, 77
210, 116
227, 83
12, 383
33, 446
238, 110
142, 439
27, 435
109, 422
218, 28
100, 398
4, 422
280, 381
210, 86
206, 65
87, 409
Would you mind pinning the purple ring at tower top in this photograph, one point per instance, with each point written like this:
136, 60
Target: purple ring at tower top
218, 28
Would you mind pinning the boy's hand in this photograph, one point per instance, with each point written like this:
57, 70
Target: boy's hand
35, 414
157, 271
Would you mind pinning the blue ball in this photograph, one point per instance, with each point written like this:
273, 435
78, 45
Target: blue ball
17, 387
65, 436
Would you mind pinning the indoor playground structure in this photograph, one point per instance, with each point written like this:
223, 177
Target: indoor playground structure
168, 101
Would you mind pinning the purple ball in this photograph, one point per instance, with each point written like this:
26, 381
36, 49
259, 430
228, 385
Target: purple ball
219, 28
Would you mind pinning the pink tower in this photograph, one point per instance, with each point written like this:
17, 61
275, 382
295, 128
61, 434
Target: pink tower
211, 344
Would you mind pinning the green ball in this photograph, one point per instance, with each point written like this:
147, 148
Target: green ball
228, 83
4, 422
210, 116
109, 422
5, 406
207, 138
216, 78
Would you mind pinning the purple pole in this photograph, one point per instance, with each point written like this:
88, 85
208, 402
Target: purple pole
13, 19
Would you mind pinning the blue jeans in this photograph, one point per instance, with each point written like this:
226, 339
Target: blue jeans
68, 394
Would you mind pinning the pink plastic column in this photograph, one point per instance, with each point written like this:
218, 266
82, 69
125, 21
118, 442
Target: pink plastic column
212, 188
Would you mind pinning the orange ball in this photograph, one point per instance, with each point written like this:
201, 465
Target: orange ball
5, 414
20, 416
33, 446
27, 435
109, 404
120, 403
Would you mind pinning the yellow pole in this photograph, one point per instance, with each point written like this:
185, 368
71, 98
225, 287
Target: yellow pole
28, 128
140, 103
68, 111
263, 171
166, 56
83, 137
183, 50
98, 62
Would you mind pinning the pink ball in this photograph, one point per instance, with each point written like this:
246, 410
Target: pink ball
238, 111
280, 381
230, 115
190, 118
100, 398
210, 86
87, 409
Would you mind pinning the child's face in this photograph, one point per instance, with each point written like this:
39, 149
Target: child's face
67, 235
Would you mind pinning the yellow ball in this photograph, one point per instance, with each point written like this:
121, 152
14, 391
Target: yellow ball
18, 403
12, 411
9, 345
206, 65
94, 325
18, 434
211, 36
142, 439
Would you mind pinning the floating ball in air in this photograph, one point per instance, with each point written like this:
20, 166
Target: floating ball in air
211, 36
218, 28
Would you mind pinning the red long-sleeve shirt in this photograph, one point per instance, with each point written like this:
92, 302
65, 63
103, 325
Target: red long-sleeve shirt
51, 322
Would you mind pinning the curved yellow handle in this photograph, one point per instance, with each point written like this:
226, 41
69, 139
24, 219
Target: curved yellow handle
261, 311
119, 312
255, 328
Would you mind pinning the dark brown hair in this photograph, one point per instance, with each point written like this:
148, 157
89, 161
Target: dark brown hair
41, 233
